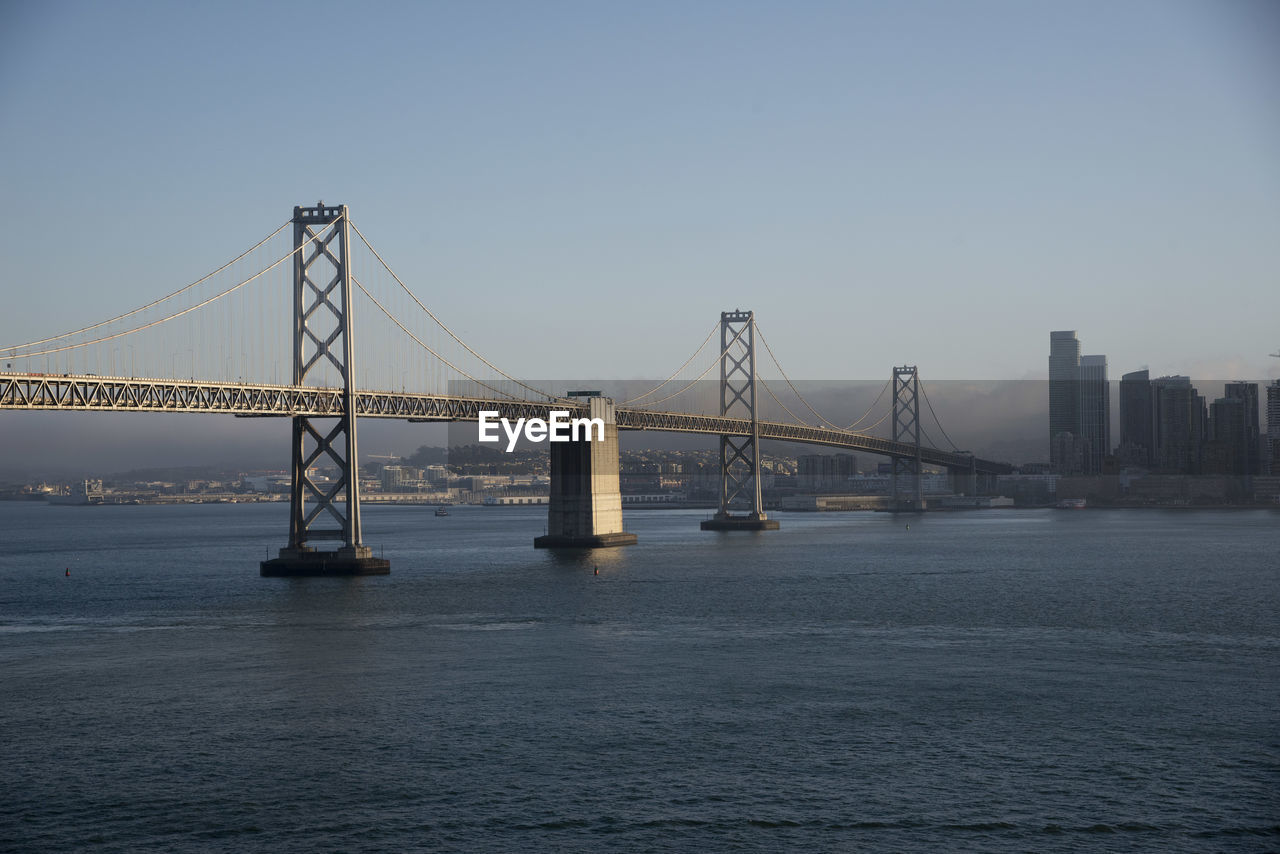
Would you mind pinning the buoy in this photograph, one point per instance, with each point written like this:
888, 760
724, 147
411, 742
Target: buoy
68, 572
597, 570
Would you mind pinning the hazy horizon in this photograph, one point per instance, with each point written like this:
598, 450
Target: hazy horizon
582, 188
1003, 420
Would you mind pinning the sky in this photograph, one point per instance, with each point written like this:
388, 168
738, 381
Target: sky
932, 183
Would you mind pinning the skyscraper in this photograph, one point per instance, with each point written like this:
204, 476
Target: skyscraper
1225, 451
1095, 411
1136, 439
1079, 407
1247, 441
1178, 419
1064, 392
1273, 425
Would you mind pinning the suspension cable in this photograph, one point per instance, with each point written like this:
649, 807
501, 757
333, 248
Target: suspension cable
867, 430
430, 314
176, 315
677, 371
148, 305
797, 393
954, 447
791, 385
704, 373
871, 408
425, 346
780, 403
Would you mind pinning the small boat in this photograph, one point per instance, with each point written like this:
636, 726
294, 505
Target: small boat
442, 511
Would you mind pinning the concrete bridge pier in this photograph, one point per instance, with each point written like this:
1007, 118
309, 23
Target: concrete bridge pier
585, 510
964, 481
967, 480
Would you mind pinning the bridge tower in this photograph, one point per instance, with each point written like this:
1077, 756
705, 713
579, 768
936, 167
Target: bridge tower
739, 455
322, 338
905, 482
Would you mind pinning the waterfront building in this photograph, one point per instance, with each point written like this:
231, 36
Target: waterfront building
1064, 391
1273, 426
399, 478
1079, 407
1178, 419
1068, 451
1095, 412
825, 471
1226, 451
1248, 440
1136, 437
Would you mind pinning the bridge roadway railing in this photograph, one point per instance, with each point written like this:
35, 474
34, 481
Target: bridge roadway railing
87, 393
641, 419
113, 394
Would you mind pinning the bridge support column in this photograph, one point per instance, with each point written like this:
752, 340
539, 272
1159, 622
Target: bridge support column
906, 494
322, 341
739, 455
963, 481
585, 511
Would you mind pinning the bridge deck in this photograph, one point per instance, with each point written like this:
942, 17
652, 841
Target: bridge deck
87, 393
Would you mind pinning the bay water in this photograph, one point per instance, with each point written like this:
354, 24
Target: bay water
1017, 680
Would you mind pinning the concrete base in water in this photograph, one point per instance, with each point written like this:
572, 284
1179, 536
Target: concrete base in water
307, 562
584, 541
739, 523
585, 508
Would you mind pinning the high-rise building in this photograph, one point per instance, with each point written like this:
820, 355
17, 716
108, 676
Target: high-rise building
1136, 437
1273, 425
399, 478
1079, 407
1178, 420
1248, 441
1064, 391
825, 471
1068, 451
1095, 411
1226, 450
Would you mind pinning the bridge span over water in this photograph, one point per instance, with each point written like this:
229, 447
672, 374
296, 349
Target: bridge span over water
233, 330
72, 393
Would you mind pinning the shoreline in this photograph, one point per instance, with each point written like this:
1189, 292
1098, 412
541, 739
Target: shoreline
370, 502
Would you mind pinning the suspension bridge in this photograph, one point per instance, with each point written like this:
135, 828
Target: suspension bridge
219, 346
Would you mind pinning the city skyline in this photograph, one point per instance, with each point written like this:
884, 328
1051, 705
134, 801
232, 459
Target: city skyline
919, 183
1163, 423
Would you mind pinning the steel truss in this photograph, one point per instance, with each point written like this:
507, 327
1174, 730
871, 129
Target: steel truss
118, 394
322, 334
906, 487
739, 454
